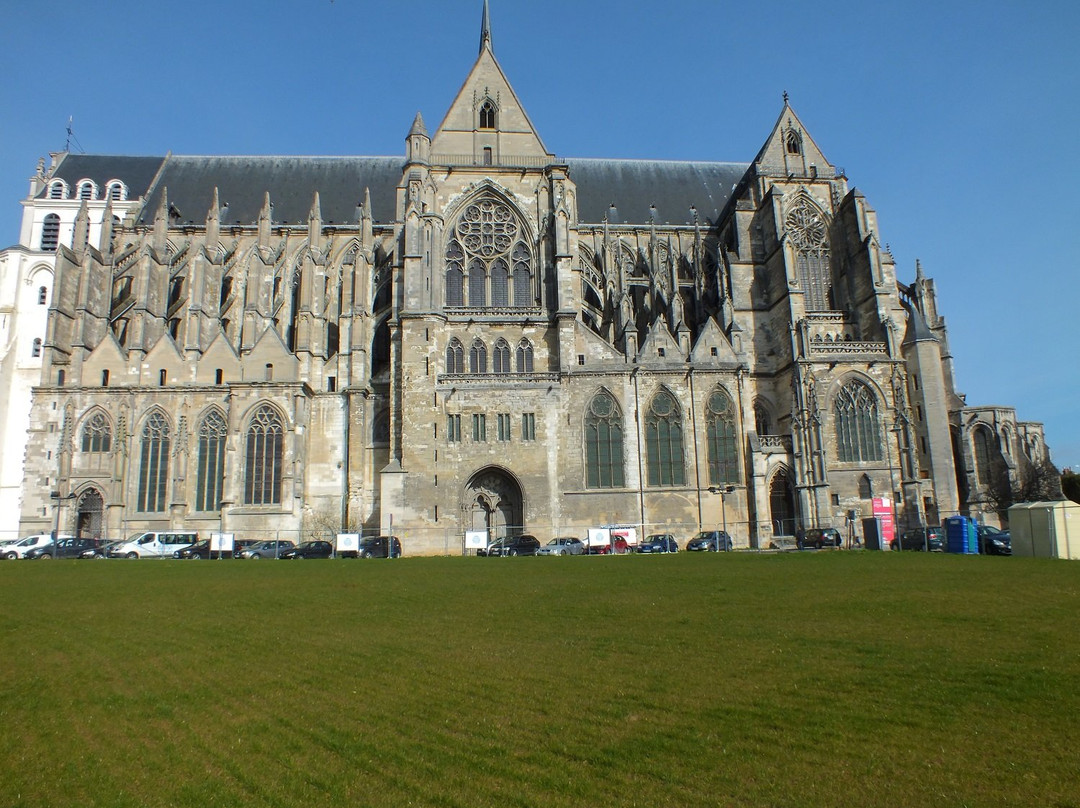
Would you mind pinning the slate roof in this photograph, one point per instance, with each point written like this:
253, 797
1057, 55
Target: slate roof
242, 182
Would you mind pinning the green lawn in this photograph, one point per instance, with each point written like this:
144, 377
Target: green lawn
803, 679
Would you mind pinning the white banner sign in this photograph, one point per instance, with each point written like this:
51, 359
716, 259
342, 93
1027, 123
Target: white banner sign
476, 539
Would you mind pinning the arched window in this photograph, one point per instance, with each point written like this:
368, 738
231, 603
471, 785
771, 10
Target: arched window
486, 247
487, 115
210, 480
603, 443
455, 356
455, 274
500, 357
792, 142
154, 464
524, 357
35, 350
808, 231
478, 357
87, 190
664, 441
57, 190
762, 419
720, 436
858, 431
96, 434
500, 284
866, 487
116, 191
50, 233
265, 450
983, 442
42, 295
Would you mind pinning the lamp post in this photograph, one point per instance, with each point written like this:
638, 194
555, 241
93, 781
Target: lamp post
896, 429
723, 491
57, 499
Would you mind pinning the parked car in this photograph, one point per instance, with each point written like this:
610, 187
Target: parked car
823, 537
524, 545
659, 543
563, 545
712, 541
239, 545
994, 541
200, 549
922, 538
270, 548
66, 548
154, 544
619, 545
309, 549
101, 551
24, 545
379, 547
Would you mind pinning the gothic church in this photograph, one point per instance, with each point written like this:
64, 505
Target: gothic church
478, 334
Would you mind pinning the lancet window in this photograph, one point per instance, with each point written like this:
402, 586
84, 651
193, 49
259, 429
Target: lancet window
664, 441
720, 437
265, 450
603, 443
153, 464
97, 434
808, 231
211, 462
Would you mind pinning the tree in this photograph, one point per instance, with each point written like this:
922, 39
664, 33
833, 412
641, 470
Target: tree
1070, 485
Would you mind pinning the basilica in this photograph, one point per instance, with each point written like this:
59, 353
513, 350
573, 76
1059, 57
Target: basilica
478, 335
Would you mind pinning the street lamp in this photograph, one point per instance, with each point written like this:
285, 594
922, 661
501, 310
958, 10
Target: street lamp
723, 491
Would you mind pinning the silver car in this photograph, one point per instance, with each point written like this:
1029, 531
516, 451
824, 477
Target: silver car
562, 545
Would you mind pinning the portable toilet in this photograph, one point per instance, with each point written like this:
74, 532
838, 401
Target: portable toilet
961, 536
1045, 529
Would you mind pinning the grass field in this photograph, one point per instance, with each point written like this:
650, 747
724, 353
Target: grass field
802, 679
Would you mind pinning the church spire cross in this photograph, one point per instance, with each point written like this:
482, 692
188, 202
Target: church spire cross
485, 29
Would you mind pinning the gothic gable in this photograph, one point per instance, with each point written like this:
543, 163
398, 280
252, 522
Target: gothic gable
219, 356
163, 358
270, 360
107, 356
790, 151
711, 338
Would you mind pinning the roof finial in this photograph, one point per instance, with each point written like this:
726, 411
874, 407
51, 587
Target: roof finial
785, 97
485, 29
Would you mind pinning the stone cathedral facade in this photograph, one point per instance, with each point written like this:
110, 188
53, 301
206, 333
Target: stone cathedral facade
480, 334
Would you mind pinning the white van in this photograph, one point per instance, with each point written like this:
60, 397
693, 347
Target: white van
154, 544
20, 548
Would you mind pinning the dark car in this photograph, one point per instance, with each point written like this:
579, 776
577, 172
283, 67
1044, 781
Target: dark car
200, 549
711, 541
823, 537
922, 538
992, 541
68, 548
270, 548
310, 549
524, 545
379, 547
659, 543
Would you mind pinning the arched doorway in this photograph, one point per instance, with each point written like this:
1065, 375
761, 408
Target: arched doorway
493, 502
88, 515
782, 504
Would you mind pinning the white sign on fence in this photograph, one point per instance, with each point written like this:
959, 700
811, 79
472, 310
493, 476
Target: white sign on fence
347, 543
221, 542
476, 539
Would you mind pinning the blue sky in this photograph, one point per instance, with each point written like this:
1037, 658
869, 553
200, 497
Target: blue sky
958, 120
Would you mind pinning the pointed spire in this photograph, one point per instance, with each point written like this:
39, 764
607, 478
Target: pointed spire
315, 224
213, 222
418, 127
918, 270
265, 220
161, 223
365, 219
105, 239
485, 29
81, 239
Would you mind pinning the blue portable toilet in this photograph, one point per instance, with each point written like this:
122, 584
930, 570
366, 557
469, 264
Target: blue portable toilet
961, 535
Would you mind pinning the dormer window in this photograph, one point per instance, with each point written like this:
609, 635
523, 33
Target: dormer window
57, 190
87, 190
116, 192
487, 115
793, 143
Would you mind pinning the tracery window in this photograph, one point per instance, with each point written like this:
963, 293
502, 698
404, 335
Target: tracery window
478, 357
50, 233
720, 437
664, 441
210, 477
455, 356
762, 419
524, 357
500, 357
263, 467
487, 246
858, 429
153, 464
96, 434
793, 142
487, 115
603, 443
808, 232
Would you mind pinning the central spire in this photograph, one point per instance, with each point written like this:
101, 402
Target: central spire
485, 29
